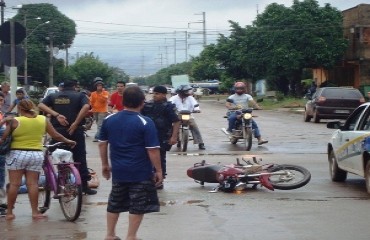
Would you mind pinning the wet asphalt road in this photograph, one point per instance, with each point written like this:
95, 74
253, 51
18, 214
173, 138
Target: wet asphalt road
320, 210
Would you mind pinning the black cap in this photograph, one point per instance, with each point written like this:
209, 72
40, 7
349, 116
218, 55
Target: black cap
160, 89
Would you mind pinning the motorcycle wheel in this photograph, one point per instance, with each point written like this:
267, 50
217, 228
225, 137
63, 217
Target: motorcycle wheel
247, 134
179, 138
184, 139
297, 177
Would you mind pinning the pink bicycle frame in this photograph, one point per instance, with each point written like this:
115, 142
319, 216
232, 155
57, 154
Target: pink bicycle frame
51, 176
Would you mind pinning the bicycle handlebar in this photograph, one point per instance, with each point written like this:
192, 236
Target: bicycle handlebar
53, 145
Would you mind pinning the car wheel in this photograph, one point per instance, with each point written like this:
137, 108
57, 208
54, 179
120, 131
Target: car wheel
337, 175
367, 176
306, 117
316, 118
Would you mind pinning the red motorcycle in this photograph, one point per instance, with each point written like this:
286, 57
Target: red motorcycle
236, 177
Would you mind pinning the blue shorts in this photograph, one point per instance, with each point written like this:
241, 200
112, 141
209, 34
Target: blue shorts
133, 197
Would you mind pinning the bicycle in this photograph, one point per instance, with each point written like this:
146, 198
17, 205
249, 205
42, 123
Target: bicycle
65, 182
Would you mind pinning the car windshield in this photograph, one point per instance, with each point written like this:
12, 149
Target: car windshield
348, 94
52, 91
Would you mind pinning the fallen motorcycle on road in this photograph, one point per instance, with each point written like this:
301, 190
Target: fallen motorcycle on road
236, 177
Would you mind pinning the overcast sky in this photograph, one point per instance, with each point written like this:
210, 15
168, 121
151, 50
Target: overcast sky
140, 36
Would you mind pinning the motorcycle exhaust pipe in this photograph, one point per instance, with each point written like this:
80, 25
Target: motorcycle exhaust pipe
240, 186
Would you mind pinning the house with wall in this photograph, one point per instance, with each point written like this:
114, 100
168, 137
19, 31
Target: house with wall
354, 69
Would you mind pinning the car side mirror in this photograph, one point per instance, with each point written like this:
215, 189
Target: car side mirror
334, 125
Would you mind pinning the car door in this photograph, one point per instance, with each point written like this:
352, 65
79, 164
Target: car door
348, 141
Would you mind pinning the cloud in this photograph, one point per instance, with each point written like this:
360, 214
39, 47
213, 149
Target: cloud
139, 35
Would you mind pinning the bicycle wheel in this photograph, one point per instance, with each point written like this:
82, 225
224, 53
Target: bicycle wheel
44, 194
70, 193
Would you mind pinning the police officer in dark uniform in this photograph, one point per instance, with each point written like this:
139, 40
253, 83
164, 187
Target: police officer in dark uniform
165, 118
68, 109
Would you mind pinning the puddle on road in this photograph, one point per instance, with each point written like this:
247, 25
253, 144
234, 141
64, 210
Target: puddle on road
176, 202
322, 200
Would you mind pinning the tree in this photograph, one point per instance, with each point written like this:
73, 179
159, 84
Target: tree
88, 67
60, 30
118, 75
206, 66
291, 39
163, 76
280, 44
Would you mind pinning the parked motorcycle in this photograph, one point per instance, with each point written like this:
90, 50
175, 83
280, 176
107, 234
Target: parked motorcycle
236, 177
184, 132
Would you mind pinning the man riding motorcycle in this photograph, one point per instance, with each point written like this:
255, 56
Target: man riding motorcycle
240, 100
184, 101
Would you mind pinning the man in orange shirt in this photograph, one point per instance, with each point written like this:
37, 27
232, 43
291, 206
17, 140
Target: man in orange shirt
116, 103
99, 104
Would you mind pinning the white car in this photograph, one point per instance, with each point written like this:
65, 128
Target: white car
151, 90
349, 146
49, 91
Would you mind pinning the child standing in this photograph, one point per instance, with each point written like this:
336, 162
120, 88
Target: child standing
19, 96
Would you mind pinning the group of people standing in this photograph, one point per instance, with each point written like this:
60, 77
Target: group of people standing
136, 133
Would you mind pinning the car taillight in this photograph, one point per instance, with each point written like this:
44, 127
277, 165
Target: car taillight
321, 99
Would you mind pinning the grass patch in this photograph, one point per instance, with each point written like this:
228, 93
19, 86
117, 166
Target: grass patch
267, 103
291, 103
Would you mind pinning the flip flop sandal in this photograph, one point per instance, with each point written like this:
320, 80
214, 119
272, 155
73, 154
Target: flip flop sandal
39, 216
263, 142
115, 238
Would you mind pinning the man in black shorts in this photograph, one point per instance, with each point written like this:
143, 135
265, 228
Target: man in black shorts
134, 153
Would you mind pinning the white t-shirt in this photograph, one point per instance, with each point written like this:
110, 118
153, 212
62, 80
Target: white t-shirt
241, 100
189, 103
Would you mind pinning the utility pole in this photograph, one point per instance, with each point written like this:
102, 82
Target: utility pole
185, 43
51, 61
142, 63
204, 27
166, 47
2, 6
204, 30
13, 67
67, 58
186, 46
174, 52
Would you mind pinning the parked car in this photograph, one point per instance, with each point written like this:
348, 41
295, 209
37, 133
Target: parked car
151, 90
332, 103
349, 146
49, 91
170, 89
